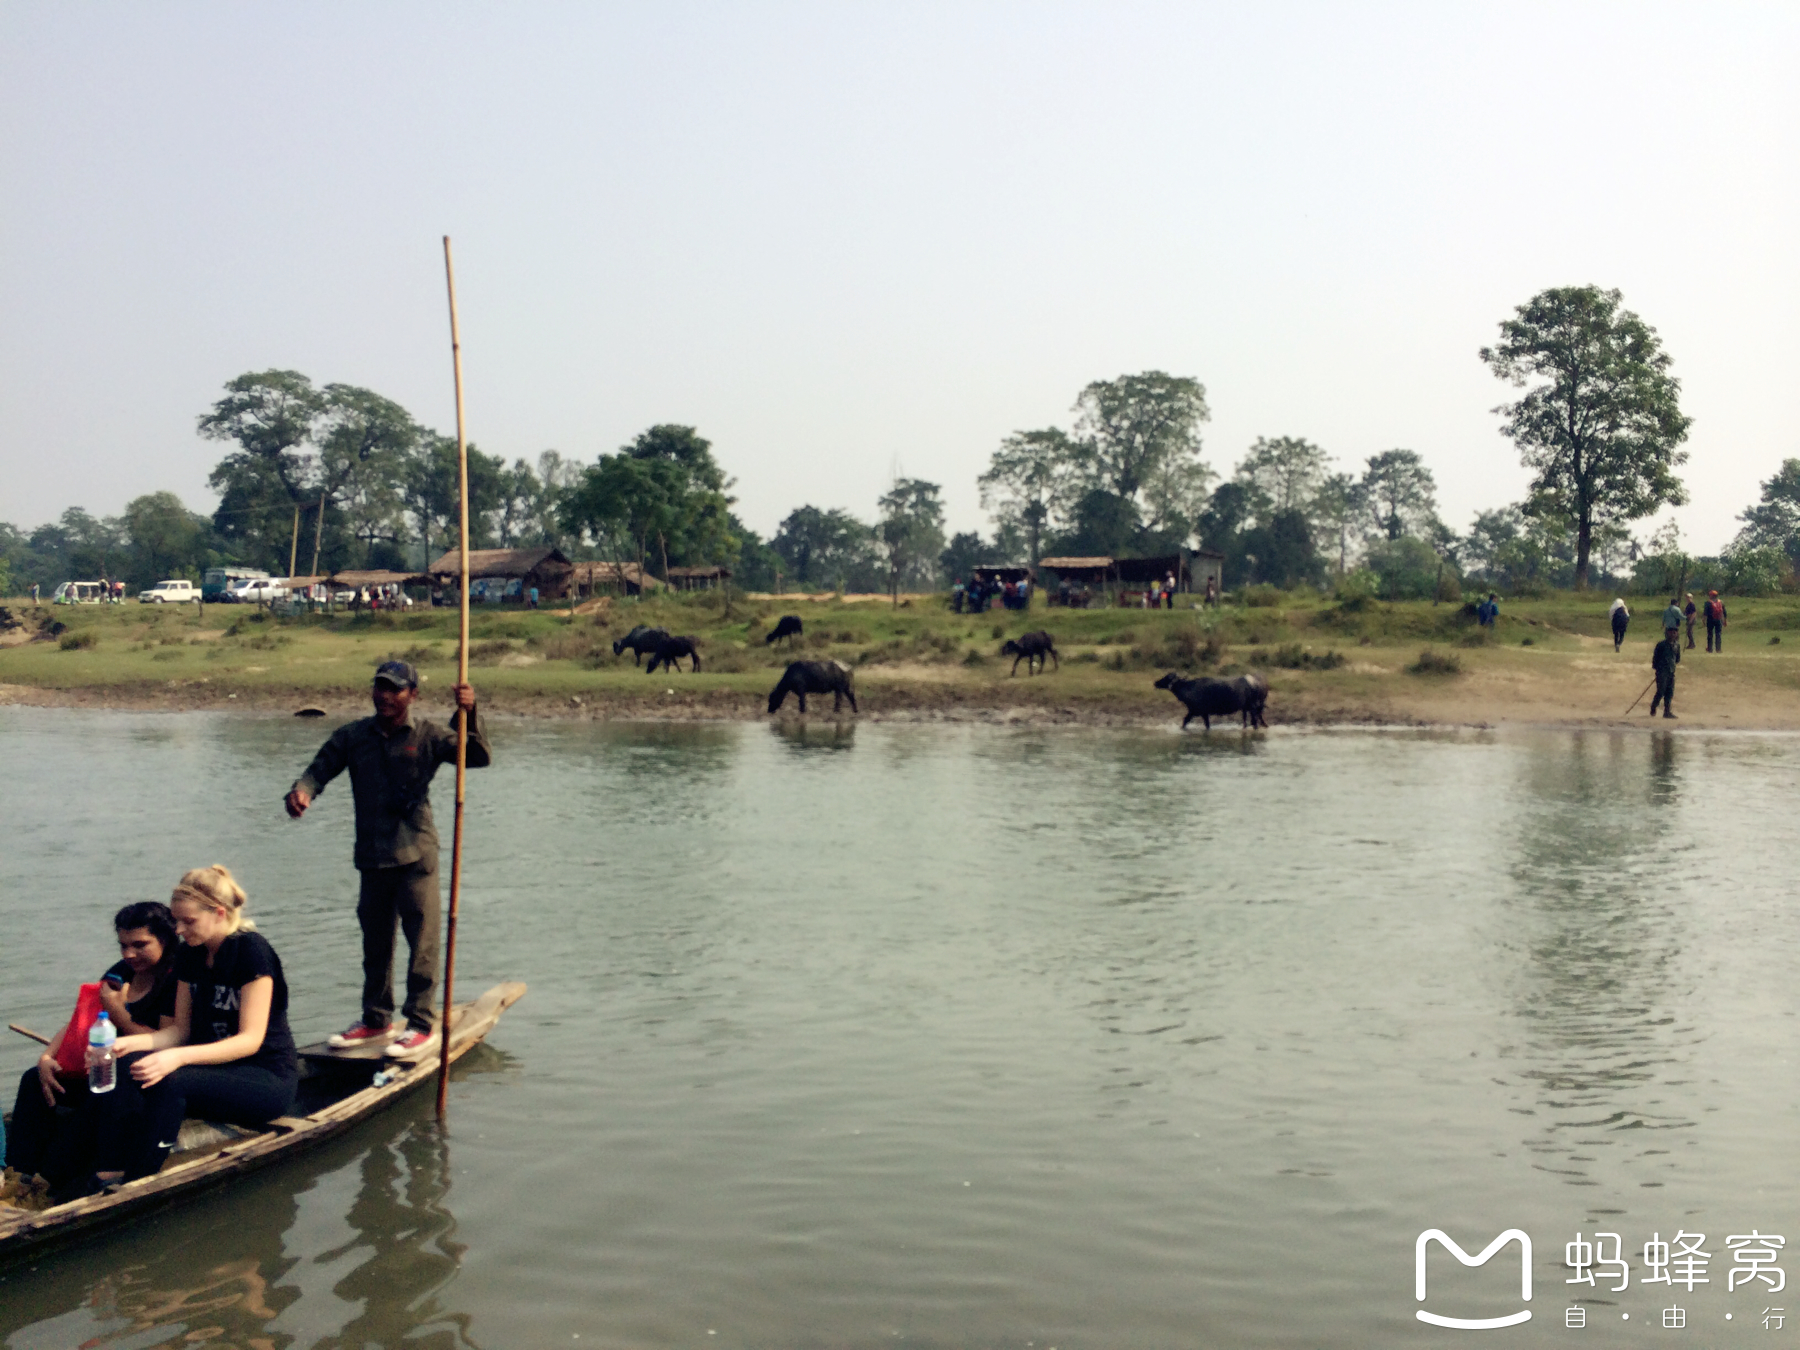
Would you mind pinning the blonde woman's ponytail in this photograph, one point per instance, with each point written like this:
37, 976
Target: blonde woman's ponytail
216, 888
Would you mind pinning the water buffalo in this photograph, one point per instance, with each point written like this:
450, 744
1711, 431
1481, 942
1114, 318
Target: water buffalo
640, 640
1206, 698
670, 651
1031, 648
814, 677
787, 626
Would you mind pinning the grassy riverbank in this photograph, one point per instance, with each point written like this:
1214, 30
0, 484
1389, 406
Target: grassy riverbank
1548, 661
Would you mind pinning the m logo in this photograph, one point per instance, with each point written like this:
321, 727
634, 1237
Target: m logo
1449, 1245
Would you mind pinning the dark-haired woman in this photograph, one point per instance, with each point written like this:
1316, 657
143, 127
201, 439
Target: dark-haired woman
52, 1129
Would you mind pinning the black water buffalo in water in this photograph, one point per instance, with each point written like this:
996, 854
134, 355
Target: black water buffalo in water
814, 677
1031, 648
670, 651
787, 626
640, 640
1206, 698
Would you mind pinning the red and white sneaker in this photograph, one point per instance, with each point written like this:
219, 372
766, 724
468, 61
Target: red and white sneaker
414, 1042
361, 1033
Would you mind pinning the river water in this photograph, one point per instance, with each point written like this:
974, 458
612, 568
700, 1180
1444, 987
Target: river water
939, 1036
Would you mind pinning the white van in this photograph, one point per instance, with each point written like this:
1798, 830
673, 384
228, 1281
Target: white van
77, 593
170, 593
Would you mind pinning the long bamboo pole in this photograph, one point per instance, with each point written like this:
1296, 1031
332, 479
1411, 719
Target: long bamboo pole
462, 677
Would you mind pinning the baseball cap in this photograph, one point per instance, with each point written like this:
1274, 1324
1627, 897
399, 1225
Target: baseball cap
398, 674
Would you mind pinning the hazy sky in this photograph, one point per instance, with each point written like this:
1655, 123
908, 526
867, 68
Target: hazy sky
848, 239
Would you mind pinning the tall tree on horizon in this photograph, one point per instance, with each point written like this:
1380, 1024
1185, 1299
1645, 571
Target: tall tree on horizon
1601, 433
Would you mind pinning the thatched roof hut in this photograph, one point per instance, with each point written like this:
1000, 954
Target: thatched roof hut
545, 568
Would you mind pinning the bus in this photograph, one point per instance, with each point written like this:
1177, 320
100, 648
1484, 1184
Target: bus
218, 580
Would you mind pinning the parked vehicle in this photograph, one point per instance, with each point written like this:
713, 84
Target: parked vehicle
265, 591
220, 580
79, 593
180, 592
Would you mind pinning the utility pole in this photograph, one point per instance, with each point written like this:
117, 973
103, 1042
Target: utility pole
294, 548
318, 532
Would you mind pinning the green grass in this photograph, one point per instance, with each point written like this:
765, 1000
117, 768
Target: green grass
1305, 643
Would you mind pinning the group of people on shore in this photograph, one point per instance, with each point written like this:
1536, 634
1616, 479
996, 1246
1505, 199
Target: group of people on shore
199, 997
1667, 655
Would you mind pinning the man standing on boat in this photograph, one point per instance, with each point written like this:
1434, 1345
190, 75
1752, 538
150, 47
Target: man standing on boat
391, 759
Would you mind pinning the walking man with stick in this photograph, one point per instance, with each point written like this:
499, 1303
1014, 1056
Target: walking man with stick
1663, 661
391, 759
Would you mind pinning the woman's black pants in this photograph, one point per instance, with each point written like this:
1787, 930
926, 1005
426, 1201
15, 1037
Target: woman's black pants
139, 1125
54, 1142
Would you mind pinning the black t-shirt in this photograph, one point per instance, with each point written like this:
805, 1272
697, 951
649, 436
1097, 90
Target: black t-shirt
159, 1003
241, 958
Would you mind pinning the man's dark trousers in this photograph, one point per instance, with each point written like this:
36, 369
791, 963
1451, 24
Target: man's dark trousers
1665, 692
406, 895
1715, 636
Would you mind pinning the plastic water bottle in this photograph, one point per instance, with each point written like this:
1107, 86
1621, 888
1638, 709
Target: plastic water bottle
101, 1066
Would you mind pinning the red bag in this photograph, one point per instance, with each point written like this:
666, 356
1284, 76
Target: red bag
71, 1055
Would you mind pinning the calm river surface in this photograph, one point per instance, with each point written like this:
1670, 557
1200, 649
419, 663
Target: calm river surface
939, 1036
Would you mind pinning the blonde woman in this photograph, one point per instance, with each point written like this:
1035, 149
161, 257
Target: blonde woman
228, 1055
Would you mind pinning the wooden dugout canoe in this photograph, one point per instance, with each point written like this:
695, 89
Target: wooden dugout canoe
336, 1091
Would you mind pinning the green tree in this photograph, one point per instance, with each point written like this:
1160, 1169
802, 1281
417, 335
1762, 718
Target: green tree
1337, 512
429, 492
1137, 427
1228, 523
1774, 521
827, 549
1400, 493
963, 554
1288, 470
1029, 482
269, 416
910, 532
1601, 433
165, 540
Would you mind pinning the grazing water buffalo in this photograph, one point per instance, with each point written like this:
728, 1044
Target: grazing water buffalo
1031, 648
670, 651
640, 640
787, 626
814, 677
1206, 699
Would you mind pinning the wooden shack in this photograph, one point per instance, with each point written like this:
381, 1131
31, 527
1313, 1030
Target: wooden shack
544, 568
589, 579
1191, 568
698, 578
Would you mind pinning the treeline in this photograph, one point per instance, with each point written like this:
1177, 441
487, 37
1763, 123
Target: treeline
323, 478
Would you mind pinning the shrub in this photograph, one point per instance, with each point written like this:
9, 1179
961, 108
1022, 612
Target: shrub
416, 655
999, 631
1526, 642
569, 645
1436, 663
489, 653
974, 658
1481, 637
1262, 597
167, 656
77, 642
1293, 656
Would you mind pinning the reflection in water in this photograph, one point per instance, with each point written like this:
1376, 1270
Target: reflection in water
802, 734
1592, 862
405, 1235
223, 1273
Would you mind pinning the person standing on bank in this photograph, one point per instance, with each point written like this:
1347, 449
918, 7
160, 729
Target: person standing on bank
1663, 661
1672, 616
1620, 617
1715, 622
1688, 613
391, 759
